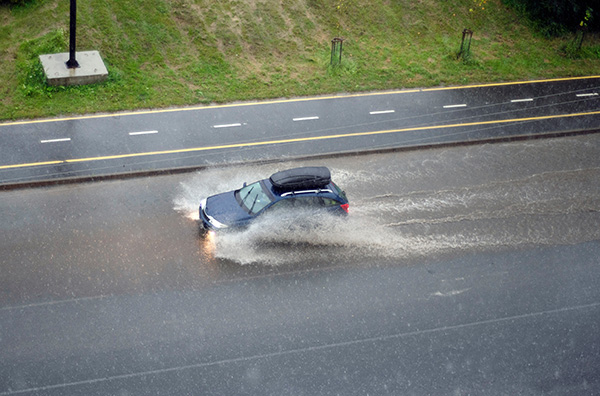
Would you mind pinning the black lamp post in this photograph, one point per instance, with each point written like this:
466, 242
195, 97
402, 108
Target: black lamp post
72, 62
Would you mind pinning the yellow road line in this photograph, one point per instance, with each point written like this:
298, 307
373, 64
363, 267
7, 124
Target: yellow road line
297, 140
31, 164
278, 101
508, 83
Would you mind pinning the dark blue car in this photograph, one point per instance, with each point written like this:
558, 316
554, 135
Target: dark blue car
299, 189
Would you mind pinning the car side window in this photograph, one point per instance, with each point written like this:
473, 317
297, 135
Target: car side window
330, 202
283, 204
309, 202
306, 202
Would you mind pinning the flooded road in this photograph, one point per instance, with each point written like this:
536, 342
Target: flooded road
409, 205
141, 235
464, 270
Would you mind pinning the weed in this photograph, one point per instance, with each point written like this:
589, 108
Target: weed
32, 80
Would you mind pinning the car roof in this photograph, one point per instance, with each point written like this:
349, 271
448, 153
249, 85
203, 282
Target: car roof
307, 177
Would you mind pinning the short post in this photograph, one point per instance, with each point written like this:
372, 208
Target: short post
72, 62
465, 45
336, 48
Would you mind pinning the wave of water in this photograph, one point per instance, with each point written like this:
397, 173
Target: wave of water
385, 221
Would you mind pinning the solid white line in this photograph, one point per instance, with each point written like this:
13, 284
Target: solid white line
382, 112
142, 133
227, 125
586, 95
521, 100
305, 118
454, 106
47, 303
56, 140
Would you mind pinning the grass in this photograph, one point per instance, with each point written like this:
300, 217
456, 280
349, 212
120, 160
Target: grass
163, 53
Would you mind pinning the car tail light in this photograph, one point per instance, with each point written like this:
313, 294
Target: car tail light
346, 207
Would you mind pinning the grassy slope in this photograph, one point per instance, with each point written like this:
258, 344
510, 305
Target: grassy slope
179, 52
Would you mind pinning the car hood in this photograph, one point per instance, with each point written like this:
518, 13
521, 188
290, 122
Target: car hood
225, 209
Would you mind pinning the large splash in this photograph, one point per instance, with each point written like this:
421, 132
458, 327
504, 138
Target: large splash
420, 206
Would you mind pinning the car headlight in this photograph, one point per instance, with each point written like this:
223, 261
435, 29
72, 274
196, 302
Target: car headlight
216, 223
213, 222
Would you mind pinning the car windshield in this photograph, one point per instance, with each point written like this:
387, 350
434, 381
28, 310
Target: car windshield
253, 198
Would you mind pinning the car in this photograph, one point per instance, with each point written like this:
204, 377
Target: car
304, 190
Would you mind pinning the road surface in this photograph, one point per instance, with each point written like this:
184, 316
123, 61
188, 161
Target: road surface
462, 270
120, 143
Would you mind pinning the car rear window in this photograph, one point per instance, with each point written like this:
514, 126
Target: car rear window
339, 191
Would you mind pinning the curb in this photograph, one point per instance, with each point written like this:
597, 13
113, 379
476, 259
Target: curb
188, 169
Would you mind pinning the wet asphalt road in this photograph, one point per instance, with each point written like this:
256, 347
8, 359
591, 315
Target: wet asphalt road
462, 270
194, 137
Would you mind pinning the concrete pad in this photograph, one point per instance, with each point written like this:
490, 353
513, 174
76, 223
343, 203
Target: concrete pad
91, 68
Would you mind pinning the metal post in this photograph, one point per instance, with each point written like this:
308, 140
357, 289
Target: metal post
332, 52
468, 35
336, 45
72, 62
579, 35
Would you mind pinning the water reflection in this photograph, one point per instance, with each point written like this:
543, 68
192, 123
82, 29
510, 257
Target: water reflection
208, 242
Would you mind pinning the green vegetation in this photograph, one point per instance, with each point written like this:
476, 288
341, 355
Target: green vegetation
555, 17
162, 53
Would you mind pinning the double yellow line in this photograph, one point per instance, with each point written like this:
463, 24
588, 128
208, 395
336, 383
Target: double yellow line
297, 140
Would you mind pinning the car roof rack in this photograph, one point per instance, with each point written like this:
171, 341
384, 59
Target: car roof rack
301, 178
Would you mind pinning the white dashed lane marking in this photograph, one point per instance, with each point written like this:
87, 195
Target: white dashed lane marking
305, 118
521, 100
382, 112
587, 95
454, 106
142, 133
228, 125
55, 140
